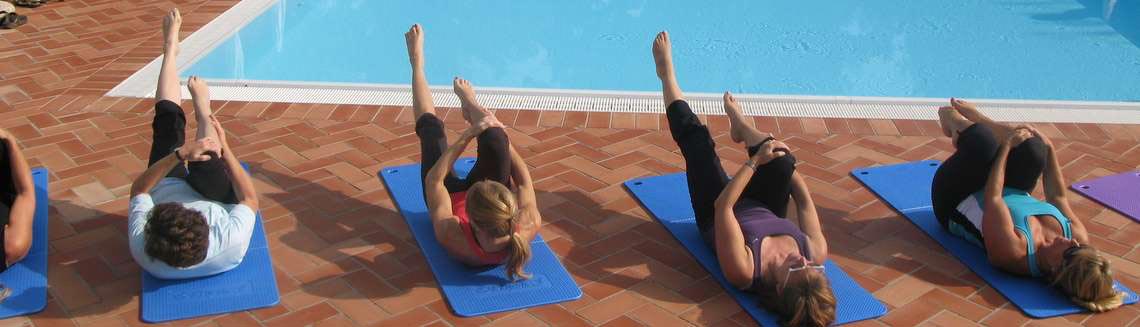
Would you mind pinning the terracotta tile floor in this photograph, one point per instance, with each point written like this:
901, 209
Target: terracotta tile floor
344, 257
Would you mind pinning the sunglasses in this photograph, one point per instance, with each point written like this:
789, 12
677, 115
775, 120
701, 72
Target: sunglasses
795, 269
1071, 251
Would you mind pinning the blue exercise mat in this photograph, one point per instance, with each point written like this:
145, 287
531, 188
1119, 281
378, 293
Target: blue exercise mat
667, 198
476, 291
27, 279
250, 285
906, 187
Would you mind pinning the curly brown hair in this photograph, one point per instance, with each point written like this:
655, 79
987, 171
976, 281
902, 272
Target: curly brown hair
176, 235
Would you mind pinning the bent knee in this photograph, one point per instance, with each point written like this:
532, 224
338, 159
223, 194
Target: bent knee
785, 164
494, 137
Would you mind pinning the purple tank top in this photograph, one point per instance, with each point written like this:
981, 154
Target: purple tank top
756, 223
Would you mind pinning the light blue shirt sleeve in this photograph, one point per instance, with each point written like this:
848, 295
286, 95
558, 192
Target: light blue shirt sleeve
140, 207
237, 228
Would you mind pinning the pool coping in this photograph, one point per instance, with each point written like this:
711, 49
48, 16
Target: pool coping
197, 45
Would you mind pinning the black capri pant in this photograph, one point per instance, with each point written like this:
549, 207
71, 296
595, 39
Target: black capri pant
493, 161
770, 186
968, 169
7, 195
210, 177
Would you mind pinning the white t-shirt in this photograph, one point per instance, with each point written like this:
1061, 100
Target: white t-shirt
230, 228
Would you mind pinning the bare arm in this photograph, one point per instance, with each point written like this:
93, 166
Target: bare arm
239, 177
435, 193
154, 173
1055, 191
23, 210
736, 261
21, 172
520, 174
809, 218
997, 225
731, 249
191, 151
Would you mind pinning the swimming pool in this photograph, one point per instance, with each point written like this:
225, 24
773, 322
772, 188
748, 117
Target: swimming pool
1013, 49
919, 52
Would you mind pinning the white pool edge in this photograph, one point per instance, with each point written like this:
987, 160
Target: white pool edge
142, 84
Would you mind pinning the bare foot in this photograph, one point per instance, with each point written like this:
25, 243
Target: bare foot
663, 56
200, 91
171, 25
740, 130
415, 39
472, 111
952, 122
967, 109
735, 118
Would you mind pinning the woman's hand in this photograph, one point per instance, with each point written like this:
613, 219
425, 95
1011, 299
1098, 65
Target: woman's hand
488, 122
1044, 139
1018, 136
225, 144
770, 151
196, 151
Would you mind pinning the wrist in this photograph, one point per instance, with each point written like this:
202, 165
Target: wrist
750, 163
178, 154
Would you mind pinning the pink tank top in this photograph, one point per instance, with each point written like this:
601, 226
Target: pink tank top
459, 209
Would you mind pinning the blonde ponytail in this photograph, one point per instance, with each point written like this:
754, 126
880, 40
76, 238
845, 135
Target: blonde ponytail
519, 255
1086, 277
492, 207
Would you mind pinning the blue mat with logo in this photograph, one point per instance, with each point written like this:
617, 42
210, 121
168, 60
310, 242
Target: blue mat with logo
667, 198
476, 291
251, 285
906, 187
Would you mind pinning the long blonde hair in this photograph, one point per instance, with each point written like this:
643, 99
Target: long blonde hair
1086, 277
492, 207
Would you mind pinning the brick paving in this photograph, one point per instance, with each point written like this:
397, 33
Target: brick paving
343, 255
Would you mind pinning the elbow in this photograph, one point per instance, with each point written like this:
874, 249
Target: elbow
1058, 199
738, 279
16, 249
137, 189
994, 261
724, 201
251, 202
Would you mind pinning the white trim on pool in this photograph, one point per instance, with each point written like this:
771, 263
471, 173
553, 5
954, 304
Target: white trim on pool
201, 42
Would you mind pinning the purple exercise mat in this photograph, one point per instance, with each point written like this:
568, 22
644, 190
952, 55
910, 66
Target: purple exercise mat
1121, 192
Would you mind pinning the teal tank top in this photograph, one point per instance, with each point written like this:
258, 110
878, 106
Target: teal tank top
1022, 205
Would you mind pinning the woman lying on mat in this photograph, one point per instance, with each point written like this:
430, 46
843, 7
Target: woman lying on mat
758, 249
479, 220
193, 210
17, 201
981, 193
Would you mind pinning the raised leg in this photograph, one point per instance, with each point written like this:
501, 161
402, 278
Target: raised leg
202, 111
971, 113
741, 129
168, 88
663, 58
421, 93
494, 156
169, 133
962, 174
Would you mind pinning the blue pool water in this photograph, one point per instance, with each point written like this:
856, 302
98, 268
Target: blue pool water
1015, 49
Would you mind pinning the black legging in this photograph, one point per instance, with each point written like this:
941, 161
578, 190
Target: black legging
968, 169
210, 177
770, 186
7, 196
493, 159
